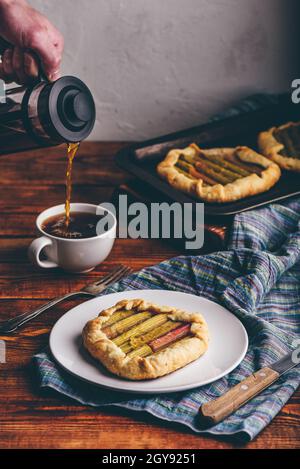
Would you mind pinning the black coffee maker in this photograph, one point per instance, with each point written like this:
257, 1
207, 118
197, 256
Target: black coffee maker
45, 114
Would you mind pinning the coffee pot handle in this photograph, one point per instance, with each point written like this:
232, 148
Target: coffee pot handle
41, 76
3, 45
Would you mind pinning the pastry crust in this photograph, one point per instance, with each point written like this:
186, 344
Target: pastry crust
157, 364
271, 148
242, 187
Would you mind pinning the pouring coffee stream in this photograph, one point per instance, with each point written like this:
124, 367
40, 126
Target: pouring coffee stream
46, 114
71, 152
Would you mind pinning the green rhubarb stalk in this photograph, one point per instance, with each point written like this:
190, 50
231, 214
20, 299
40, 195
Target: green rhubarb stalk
137, 342
143, 351
117, 316
230, 175
155, 321
228, 165
184, 168
194, 174
216, 175
125, 324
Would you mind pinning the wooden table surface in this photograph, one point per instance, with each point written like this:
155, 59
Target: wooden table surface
29, 183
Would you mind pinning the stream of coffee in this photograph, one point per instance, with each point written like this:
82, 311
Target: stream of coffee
71, 152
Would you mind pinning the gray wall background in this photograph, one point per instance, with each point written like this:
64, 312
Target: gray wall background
155, 66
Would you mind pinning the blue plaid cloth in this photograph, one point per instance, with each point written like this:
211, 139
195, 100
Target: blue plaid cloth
257, 278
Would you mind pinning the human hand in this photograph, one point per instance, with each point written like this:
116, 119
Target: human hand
28, 30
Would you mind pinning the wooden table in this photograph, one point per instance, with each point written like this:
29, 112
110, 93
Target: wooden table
30, 183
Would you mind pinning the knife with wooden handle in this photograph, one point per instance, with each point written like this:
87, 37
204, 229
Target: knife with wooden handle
217, 410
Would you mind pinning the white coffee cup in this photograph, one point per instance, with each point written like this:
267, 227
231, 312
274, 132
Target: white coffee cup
73, 255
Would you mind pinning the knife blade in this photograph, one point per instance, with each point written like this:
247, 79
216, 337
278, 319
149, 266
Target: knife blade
217, 410
286, 363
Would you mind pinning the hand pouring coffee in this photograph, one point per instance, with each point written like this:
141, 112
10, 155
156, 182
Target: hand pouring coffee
47, 114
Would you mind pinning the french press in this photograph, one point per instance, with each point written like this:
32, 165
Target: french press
45, 114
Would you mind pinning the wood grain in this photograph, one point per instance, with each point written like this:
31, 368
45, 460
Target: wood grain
36, 198
28, 184
94, 165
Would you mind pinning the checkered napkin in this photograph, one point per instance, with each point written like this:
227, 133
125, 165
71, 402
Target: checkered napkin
257, 278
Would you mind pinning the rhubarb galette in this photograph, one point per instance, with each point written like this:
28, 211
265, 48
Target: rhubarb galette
282, 145
141, 340
219, 174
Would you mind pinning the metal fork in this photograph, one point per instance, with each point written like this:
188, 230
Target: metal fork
91, 290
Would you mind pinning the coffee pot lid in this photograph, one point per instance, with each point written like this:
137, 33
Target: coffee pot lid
66, 109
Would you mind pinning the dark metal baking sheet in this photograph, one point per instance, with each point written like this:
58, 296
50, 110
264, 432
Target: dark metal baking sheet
141, 159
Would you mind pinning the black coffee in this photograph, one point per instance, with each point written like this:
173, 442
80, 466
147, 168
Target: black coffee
81, 225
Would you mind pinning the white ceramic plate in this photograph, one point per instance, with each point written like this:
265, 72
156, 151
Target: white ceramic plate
227, 348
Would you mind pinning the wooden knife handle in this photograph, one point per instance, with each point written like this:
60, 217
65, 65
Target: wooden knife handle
215, 411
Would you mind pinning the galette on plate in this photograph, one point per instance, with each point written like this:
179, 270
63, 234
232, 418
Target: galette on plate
138, 340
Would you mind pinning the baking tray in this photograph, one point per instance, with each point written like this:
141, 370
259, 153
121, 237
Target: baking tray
142, 158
